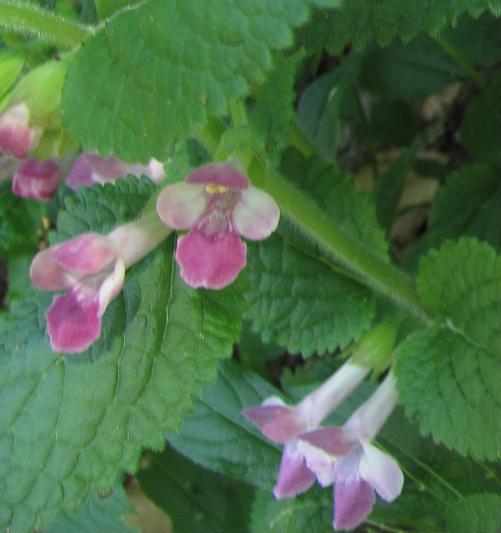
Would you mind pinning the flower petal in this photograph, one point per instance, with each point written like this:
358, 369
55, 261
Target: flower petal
73, 322
111, 286
154, 170
106, 169
80, 174
36, 180
210, 262
256, 214
277, 422
181, 205
47, 274
293, 476
219, 174
88, 253
353, 497
381, 471
16, 137
333, 440
320, 449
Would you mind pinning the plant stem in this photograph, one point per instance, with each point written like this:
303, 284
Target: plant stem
27, 18
464, 65
380, 276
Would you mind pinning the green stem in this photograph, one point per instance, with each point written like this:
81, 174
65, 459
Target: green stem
27, 18
380, 276
464, 65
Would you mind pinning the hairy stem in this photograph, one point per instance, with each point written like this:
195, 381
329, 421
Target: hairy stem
27, 18
382, 277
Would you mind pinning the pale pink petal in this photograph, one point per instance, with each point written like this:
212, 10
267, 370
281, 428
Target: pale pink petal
106, 169
353, 497
88, 253
333, 440
256, 214
278, 423
180, 205
16, 137
293, 476
111, 286
381, 471
154, 170
36, 180
219, 174
48, 275
80, 174
210, 262
320, 449
73, 322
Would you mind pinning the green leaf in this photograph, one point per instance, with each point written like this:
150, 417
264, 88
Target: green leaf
481, 127
69, 425
322, 102
361, 22
448, 376
106, 8
11, 65
20, 223
308, 512
155, 72
217, 435
468, 204
104, 514
300, 302
196, 500
412, 70
273, 111
476, 514
389, 187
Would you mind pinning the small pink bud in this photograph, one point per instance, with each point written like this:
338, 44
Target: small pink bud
36, 180
16, 137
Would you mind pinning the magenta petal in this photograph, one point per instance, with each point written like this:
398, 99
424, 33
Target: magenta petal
36, 180
73, 322
106, 169
353, 497
278, 423
256, 214
86, 254
80, 174
210, 262
293, 475
219, 174
16, 137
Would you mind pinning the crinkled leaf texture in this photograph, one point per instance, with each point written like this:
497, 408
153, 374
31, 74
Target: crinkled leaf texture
72, 424
104, 514
219, 437
298, 298
361, 21
159, 69
449, 375
309, 512
475, 514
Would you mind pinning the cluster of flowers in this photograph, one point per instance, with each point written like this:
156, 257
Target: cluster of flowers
216, 204
340, 456
39, 180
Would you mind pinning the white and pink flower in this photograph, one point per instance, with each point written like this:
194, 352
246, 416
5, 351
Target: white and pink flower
91, 269
89, 169
217, 205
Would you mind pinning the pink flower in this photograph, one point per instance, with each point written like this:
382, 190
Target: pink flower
91, 269
36, 180
216, 204
284, 424
92, 168
345, 456
16, 137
